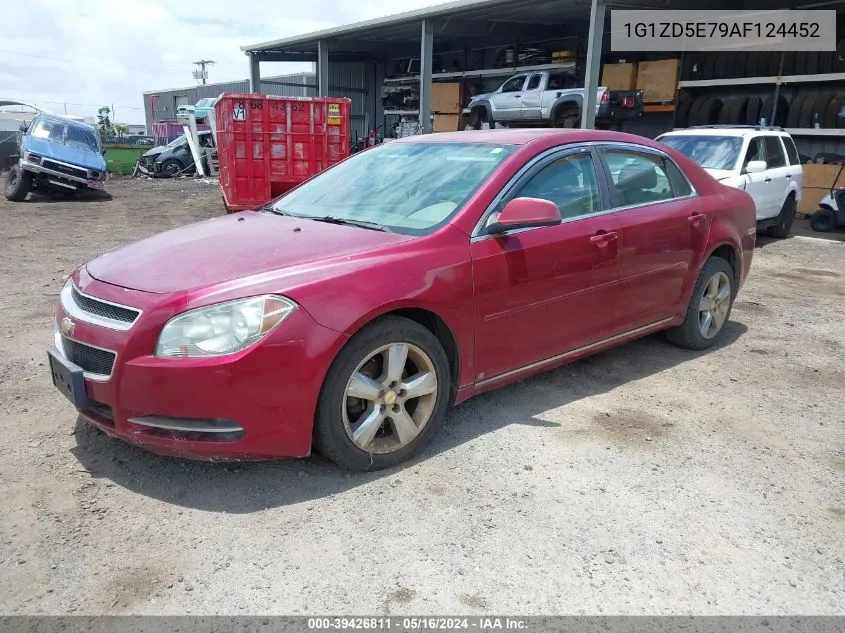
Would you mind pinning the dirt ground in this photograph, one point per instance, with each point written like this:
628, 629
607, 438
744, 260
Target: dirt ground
645, 480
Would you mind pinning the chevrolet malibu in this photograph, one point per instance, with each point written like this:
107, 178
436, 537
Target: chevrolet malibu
350, 313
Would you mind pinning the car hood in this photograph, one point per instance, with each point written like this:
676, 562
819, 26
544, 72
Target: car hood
66, 153
720, 174
154, 151
233, 247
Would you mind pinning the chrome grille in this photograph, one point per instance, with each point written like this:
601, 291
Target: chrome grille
103, 309
92, 360
65, 169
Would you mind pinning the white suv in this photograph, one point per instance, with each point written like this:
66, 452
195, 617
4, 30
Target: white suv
761, 160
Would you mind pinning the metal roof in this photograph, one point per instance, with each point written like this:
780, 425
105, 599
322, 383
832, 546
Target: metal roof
404, 27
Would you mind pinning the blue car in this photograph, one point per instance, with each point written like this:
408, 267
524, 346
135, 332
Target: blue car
57, 155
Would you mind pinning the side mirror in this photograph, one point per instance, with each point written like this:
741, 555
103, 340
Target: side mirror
522, 213
104, 151
24, 127
756, 167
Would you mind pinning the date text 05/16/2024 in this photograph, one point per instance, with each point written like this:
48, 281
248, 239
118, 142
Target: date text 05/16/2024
387, 623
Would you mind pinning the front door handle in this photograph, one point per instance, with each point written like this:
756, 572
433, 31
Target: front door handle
768, 180
603, 238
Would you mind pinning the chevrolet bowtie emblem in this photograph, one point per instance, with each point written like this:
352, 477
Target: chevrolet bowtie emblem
67, 326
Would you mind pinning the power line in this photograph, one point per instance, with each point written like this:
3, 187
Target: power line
203, 73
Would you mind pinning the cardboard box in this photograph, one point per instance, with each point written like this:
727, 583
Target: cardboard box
447, 123
822, 176
810, 197
446, 98
658, 80
619, 76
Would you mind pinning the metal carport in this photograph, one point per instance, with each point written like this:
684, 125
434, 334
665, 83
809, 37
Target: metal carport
463, 24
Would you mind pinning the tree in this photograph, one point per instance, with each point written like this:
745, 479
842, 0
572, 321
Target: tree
104, 122
119, 130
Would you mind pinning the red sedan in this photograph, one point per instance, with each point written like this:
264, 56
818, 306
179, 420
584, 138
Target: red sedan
354, 310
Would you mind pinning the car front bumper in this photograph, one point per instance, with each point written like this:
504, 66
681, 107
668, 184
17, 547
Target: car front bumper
70, 180
255, 404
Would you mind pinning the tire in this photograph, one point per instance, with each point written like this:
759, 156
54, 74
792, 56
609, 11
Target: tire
690, 333
18, 184
812, 63
826, 62
805, 118
752, 112
831, 111
823, 220
709, 66
839, 57
785, 218
752, 64
171, 168
795, 111
682, 114
569, 118
477, 118
721, 66
365, 354
789, 64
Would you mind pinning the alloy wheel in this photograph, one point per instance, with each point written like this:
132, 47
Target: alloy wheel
390, 398
714, 305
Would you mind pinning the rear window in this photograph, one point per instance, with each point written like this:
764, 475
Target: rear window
791, 150
774, 152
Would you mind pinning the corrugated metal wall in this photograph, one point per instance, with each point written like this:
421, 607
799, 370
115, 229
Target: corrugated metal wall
352, 80
161, 105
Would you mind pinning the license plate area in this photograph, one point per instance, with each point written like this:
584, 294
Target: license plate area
68, 379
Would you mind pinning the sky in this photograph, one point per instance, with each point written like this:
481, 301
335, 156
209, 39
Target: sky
75, 56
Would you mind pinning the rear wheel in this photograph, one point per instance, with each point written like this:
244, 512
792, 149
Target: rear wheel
785, 218
18, 184
385, 394
568, 118
709, 308
823, 220
477, 118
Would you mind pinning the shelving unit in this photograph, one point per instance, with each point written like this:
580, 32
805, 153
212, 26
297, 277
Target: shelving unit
490, 72
402, 112
745, 81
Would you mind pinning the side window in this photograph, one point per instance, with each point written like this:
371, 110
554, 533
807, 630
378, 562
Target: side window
755, 151
791, 150
514, 84
774, 152
638, 178
534, 82
570, 183
679, 182
561, 81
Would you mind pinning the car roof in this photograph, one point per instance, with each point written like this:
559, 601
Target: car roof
524, 136
725, 131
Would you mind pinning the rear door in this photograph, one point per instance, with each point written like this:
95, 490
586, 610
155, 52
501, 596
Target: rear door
778, 170
507, 103
663, 233
532, 96
541, 292
759, 186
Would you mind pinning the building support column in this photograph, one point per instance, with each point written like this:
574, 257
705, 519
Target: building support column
254, 73
426, 60
591, 77
322, 69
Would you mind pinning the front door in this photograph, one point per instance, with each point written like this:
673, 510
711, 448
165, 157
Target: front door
544, 291
507, 102
760, 186
663, 232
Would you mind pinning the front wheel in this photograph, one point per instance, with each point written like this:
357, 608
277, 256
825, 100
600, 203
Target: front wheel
18, 184
785, 218
709, 308
171, 168
384, 396
823, 220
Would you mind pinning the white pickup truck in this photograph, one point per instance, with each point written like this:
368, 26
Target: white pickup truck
548, 98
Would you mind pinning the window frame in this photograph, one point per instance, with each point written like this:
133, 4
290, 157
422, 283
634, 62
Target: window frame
531, 77
744, 163
522, 87
648, 151
533, 167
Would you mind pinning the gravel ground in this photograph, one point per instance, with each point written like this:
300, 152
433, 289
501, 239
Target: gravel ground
645, 480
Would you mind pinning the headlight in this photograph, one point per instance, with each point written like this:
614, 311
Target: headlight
32, 158
94, 174
224, 328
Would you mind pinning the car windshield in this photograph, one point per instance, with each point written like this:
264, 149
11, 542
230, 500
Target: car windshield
67, 133
176, 142
410, 188
711, 152
202, 103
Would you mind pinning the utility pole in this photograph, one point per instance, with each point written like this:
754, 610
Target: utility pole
202, 74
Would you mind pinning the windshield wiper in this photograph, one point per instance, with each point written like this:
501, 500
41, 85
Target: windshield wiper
272, 209
332, 219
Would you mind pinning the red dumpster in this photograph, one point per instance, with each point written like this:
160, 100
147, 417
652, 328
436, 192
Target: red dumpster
267, 145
